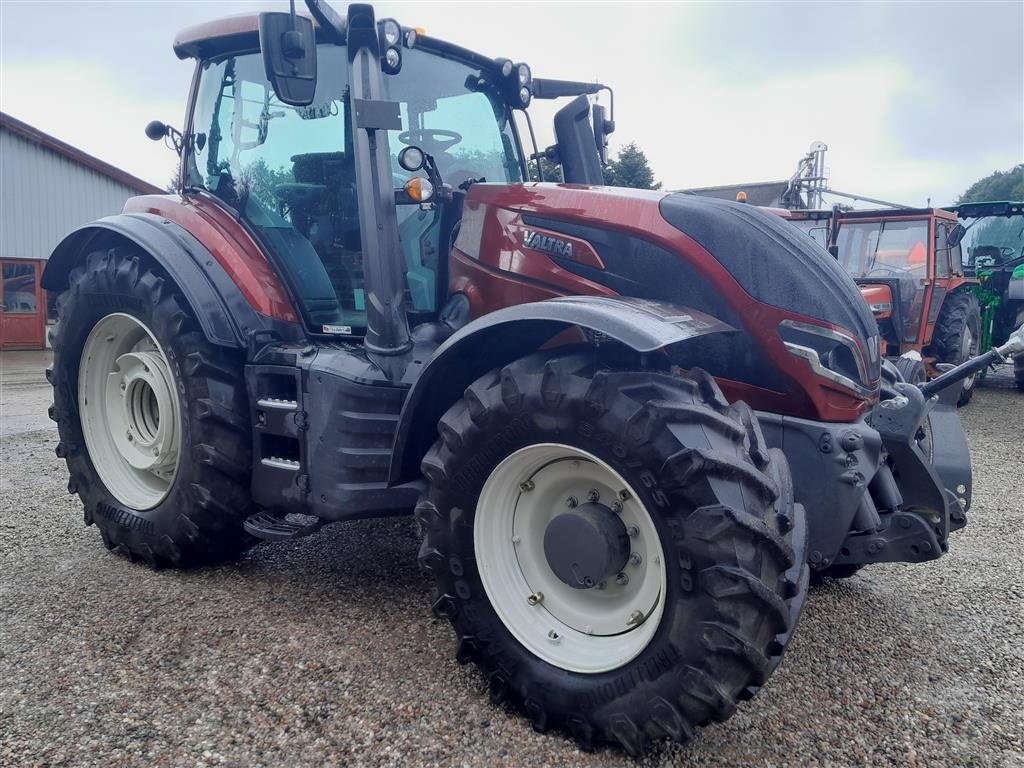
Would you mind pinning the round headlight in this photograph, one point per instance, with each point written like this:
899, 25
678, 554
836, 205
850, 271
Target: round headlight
506, 68
524, 74
392, 32
392, 58
411, 158
524, 96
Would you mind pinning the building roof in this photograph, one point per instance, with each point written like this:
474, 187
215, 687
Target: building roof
764, 193
76, 155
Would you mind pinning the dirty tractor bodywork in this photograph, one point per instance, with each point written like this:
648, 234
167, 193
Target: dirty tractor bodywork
630, 423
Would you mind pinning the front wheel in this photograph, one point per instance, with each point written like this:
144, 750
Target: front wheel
152, 418
618, 552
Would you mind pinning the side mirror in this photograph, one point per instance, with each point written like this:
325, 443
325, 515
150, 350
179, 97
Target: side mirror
602, 127
956, 235
157, 130
288, 44
576, 150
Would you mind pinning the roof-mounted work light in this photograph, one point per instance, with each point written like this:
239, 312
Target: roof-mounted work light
516, 82
391, 46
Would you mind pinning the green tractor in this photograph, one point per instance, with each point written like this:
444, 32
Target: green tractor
993, 252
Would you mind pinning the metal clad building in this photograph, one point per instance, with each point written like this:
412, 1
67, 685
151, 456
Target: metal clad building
47, 189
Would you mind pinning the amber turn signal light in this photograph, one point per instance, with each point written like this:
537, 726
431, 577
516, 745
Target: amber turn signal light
419, 189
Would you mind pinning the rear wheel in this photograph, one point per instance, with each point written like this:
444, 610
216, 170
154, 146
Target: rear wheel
957, 335
152, 418
618, 552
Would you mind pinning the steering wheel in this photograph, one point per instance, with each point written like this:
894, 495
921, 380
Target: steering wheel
437, 139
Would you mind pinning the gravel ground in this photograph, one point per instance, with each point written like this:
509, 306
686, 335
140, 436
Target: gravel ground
324, 651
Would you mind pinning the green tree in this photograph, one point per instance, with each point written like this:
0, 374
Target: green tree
1001, 185
552, 171
630, 169
172, 185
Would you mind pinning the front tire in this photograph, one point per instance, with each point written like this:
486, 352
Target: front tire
709, 510
152, 418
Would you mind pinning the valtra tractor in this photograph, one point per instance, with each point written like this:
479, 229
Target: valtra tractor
630, 423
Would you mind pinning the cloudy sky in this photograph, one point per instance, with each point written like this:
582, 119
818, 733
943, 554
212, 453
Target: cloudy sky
915, 100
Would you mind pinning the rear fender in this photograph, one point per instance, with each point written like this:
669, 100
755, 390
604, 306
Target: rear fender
500, 337
224, 315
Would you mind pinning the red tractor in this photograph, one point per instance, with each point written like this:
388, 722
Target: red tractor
908, 266
593, 398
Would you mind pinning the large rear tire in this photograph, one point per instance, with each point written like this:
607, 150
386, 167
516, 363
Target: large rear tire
957, 335
152, 418
715, 576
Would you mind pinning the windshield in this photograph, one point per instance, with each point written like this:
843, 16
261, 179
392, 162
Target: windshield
816, 229
884, 248
290, 171
992, 241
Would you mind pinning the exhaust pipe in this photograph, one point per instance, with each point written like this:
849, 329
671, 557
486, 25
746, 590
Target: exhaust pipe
387, 325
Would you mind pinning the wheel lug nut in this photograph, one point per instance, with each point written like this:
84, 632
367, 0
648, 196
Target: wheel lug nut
535, 599
624, 495
617, 507
622, 579
554, 637
635, 558
593, 495
635, 618
571, 502
526, 486
633, 531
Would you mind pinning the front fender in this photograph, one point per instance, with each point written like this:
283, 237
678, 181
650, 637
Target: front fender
500, 337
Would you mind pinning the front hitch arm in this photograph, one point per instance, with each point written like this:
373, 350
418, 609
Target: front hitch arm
1014, 346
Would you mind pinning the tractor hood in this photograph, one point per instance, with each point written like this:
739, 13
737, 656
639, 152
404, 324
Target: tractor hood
878, 298
741, 265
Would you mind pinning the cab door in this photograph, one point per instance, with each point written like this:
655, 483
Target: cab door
22, 306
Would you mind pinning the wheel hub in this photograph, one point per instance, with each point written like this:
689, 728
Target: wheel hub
586, 545
561, 575
137, 393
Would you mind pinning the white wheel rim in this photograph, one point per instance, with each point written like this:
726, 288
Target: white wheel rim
580, 630
130, 412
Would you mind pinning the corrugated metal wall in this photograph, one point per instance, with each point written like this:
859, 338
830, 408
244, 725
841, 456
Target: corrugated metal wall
43, 196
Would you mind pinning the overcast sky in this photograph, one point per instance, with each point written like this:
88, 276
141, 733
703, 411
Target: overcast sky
915, 100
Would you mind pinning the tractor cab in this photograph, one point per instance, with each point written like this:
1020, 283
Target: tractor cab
905, 262
993, 253
283, 153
